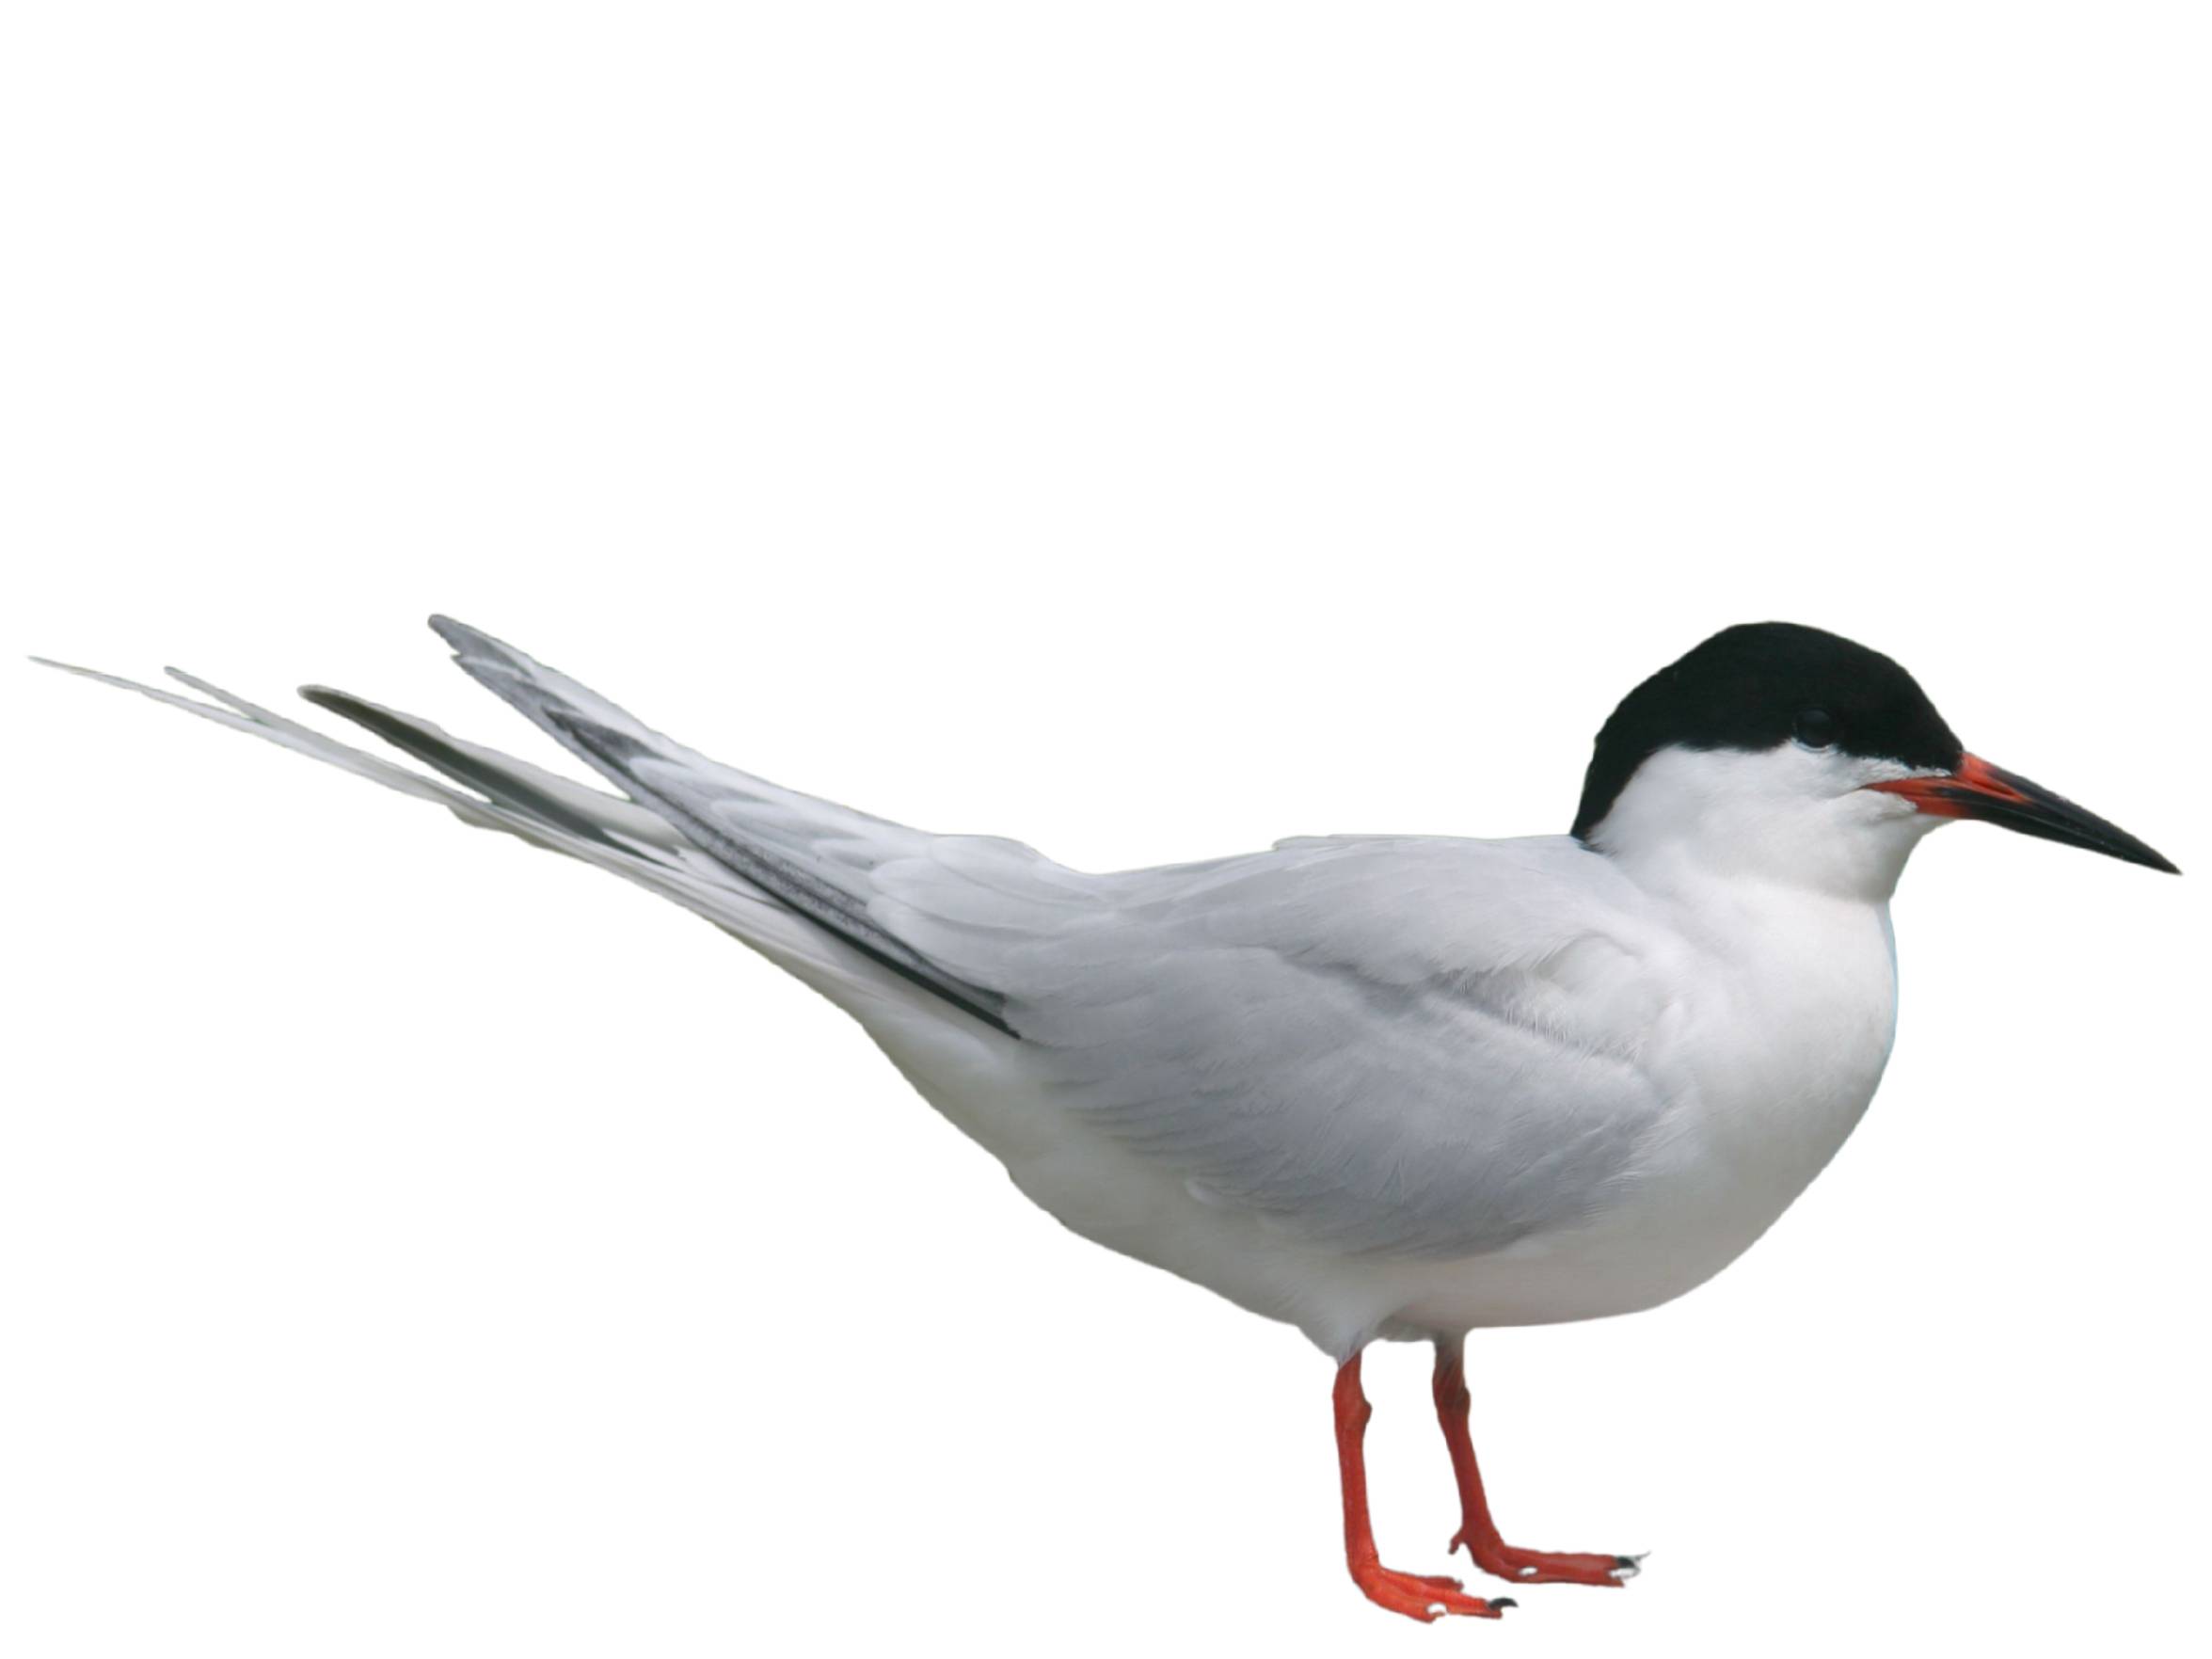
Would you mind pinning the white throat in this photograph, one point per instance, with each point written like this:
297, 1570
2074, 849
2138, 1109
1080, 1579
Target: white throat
1790, 816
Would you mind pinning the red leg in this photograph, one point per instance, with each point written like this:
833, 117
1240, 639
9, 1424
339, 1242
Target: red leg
1420, 1597
1477, 1531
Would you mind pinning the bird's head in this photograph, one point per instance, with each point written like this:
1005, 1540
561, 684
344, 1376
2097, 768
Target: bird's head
1781, 752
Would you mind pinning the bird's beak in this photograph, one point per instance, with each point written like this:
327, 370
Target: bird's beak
1978, 789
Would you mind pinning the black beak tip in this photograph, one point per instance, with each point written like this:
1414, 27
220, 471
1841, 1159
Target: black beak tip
2017, 803
2125, 847
2115, 842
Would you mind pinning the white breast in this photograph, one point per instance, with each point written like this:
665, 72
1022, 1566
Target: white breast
1775, 1046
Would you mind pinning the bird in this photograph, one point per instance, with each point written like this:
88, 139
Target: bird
1380, 1086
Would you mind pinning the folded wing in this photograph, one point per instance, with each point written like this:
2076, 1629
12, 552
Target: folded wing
1400, 1046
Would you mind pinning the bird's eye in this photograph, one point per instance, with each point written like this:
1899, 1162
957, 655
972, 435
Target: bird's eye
1815, 728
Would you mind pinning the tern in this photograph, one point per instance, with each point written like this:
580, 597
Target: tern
1383, 1087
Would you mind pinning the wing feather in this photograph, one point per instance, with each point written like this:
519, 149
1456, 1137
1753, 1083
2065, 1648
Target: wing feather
1398, 1045
810, 855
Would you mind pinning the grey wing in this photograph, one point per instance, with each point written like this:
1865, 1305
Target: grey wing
1405, 1047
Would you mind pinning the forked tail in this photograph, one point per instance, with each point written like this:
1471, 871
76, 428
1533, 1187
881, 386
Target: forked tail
786, 873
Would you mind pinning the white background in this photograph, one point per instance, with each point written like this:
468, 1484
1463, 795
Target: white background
1147, 430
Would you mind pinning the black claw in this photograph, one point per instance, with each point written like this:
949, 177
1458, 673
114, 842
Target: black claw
1502, 1603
